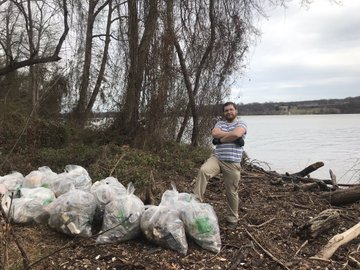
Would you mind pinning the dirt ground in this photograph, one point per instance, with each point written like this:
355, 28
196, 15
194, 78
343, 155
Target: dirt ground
265, 238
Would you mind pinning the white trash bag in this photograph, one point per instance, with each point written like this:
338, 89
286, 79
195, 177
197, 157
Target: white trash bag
179, 200
107, 190
43, 177
22, 210
122, 218
74, 177
201, 224
12, 181
62, 184
162, 226
80, 176
42, 194
72, 213
28, 208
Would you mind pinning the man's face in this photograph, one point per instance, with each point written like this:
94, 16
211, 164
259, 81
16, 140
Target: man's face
230, 113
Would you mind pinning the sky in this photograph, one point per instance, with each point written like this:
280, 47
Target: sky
304, 53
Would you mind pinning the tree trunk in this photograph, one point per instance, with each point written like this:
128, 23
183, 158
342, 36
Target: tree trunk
159, 97
183, 123
34, 89
323, 222
138, 53
343, 196
85, 78
102, 67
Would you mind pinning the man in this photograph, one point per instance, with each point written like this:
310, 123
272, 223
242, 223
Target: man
228, 137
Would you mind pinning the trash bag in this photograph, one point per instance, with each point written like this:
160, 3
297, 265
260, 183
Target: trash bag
12, 181
62, 184
122, 218
30, 206
42, 194
23, 210
107, 190
201, 224
162, 226
38, 198
80, 176
72, 213
74, 177
43, 177
176, 199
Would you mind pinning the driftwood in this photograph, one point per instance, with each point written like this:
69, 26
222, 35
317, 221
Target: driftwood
308, 169
299, 177
333, 179
338, 240
326, 220
343, 196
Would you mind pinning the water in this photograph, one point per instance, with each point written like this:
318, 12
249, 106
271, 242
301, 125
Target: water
289, 143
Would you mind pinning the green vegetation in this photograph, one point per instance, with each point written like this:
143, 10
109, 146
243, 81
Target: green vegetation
25, 147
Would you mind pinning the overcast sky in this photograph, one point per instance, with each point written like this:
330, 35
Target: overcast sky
304, 54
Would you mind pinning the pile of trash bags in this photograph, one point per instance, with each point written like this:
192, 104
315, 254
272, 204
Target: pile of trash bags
69, 203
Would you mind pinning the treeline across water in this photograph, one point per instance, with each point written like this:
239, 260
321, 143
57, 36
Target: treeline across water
323, 106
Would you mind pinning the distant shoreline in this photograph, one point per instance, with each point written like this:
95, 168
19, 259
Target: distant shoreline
350, 105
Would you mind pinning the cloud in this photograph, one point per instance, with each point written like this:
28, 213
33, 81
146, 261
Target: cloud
305, 54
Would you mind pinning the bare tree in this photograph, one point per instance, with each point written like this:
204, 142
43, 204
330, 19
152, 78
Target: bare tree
32, 51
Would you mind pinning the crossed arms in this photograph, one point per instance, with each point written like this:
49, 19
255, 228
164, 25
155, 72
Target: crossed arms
226, 137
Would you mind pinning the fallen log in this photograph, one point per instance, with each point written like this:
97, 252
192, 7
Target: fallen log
338, 240
308, 169
322, 185
326, 220
343, 196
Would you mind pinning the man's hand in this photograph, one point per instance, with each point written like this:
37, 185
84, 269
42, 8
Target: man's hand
239, 141
216, 141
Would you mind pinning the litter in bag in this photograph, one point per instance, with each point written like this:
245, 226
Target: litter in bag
72, 213
176, 199
122, 218
12, 181
30, 206
43, 177
107, 190
162, 226
62, 184
80, 176
201, 224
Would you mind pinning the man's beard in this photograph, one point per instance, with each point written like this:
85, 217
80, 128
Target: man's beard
230, 118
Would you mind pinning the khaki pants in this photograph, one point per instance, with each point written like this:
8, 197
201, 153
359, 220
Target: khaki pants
231, 174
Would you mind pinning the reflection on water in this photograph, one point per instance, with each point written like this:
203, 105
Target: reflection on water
289, 143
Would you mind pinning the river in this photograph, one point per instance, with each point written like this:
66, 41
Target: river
289, 143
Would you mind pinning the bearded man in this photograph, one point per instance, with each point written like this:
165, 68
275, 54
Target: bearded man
228, 137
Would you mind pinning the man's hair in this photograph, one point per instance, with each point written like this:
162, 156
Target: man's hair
228, 104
